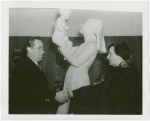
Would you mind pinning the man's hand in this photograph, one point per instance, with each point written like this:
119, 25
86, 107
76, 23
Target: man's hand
61, 97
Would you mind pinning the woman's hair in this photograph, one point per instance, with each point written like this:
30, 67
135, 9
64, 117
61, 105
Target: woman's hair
121, 50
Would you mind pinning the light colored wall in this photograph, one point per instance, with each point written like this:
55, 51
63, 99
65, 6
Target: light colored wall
40, 22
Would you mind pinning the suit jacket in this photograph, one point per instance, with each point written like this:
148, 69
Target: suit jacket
29, 88
119, 92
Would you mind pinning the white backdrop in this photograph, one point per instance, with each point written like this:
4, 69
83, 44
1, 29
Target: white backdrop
40, 22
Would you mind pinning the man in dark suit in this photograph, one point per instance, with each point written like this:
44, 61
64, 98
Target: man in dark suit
28, 88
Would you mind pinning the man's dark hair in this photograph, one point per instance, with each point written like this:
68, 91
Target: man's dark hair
121, 50
28, 43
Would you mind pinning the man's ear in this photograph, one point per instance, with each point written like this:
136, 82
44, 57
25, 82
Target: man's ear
29, 49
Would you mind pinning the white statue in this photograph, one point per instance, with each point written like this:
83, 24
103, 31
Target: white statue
61, 28
82, 58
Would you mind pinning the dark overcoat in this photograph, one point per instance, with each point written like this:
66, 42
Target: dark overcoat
119, 92
28, 89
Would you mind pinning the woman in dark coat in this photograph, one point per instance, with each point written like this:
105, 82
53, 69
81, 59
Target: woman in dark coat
117, 91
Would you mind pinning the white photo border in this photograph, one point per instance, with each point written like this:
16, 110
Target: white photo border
128, 6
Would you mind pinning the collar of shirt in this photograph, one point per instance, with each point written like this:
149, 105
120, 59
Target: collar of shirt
33, 61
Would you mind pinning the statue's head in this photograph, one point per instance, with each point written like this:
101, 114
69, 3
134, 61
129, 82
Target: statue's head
93, 28
65, 13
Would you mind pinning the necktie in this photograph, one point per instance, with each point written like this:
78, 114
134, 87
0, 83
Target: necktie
39, 67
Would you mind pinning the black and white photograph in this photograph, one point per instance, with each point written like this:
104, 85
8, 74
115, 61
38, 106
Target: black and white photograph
65, 61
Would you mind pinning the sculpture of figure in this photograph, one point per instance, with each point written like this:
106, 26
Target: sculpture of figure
82, 58
61, 28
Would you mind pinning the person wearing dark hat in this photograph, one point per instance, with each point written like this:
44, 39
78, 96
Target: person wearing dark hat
116, 91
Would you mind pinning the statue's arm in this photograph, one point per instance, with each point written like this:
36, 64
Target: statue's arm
87, 53
60, 26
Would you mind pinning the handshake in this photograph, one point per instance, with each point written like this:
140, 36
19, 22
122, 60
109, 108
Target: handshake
62, 96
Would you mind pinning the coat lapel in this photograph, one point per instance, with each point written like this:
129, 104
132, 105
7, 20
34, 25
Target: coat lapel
32, 66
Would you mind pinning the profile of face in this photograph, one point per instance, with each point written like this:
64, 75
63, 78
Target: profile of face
112, 57
65, 13
84, 28
37, 51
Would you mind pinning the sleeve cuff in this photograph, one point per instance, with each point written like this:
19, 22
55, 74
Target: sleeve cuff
71, 94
